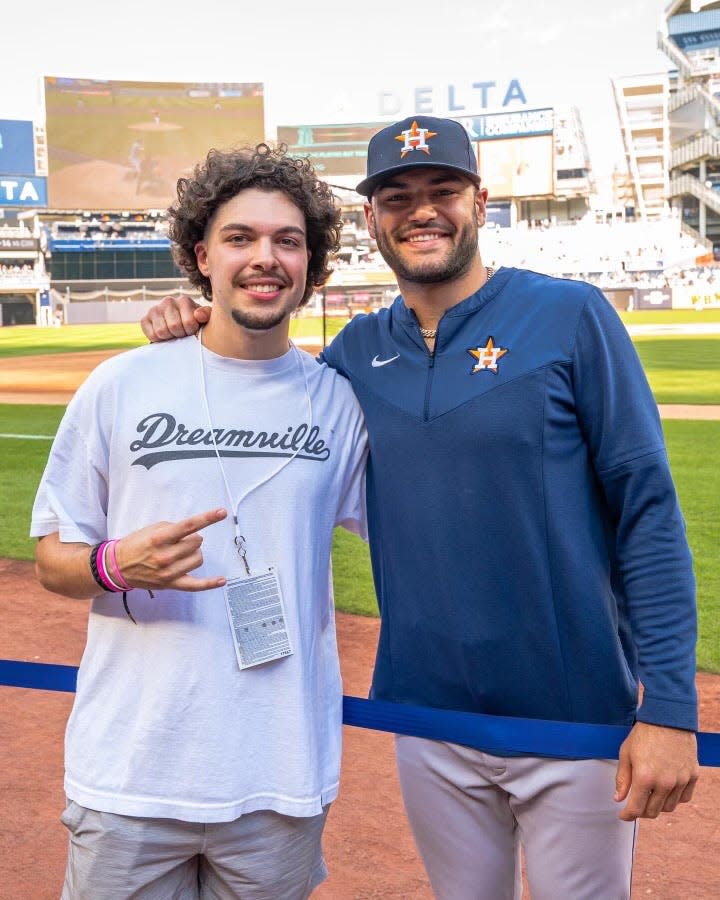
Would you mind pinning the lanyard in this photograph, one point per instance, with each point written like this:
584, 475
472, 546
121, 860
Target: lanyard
239, 539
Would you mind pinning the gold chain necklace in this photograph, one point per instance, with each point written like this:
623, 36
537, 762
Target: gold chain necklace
430, 333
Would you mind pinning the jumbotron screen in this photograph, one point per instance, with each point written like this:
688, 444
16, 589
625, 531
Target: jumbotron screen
513, 168
333, 149
124, 144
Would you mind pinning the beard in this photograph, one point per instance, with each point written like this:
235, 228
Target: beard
259, 321
452, 266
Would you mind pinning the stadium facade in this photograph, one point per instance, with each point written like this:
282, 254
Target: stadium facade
82, 194
641, 102
689, 35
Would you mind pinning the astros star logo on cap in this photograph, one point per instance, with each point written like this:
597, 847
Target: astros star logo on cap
415, 138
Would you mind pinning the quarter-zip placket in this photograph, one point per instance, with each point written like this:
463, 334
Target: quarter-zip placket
431, 372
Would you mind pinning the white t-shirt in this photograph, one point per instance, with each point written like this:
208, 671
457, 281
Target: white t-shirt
165, 723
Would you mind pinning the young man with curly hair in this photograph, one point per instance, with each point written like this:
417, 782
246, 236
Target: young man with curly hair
203, 749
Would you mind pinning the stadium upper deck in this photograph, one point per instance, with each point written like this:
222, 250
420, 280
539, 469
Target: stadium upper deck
689, 35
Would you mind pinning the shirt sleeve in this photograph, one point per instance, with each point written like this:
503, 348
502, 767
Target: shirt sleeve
621, 425
351, 512
72, 497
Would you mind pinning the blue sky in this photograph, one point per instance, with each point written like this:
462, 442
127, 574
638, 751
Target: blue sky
327, 61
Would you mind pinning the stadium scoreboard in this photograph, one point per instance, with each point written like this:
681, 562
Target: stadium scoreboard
122, 145
515, 150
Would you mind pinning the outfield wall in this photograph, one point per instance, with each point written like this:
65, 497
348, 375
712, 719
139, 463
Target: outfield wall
101, 312
96, 312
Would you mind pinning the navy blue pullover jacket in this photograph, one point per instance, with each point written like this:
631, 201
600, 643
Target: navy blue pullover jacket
528, 551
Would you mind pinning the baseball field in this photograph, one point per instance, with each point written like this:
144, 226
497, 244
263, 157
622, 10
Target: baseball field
368, 846
680, 353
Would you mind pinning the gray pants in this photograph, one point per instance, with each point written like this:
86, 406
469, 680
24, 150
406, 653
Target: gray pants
260, 856
470, 812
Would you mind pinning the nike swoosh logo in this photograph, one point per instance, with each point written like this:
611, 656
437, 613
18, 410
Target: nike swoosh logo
376, 363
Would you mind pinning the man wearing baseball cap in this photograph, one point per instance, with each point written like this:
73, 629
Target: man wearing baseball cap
528, 549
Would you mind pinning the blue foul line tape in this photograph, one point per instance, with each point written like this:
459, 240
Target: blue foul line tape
493, 734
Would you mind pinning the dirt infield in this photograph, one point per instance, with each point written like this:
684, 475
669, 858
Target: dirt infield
55, 377
368, 845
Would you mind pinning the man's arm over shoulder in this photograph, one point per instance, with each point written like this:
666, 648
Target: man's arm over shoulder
174, 317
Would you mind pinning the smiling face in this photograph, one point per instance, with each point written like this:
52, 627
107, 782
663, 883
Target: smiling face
255, 254
425, 222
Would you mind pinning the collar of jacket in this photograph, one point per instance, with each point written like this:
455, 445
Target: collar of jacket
455, 316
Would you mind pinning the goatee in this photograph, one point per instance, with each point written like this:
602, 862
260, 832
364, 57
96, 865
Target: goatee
455, 264
258, 321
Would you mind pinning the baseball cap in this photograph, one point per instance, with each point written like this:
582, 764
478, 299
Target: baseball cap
418, 141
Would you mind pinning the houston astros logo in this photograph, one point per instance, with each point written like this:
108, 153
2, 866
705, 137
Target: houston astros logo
415, 138
487, 357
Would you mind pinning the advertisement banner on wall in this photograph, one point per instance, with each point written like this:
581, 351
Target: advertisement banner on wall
22, 191
652, 298
522, 123
696, 296
333, 149
513, 168
17, 147
29, 243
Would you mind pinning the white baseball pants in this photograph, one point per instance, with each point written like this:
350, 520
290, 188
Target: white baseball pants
470, 813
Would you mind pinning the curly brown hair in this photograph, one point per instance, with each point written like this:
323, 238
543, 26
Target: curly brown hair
222, 176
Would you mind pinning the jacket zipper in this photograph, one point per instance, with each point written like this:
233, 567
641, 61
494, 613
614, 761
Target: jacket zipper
428, 386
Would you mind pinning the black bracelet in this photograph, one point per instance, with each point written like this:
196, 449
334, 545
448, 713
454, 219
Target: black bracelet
94, 568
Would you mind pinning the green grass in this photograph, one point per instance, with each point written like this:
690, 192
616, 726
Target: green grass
32, 419
352, 576
21, 466
682, 369
29, 340
693, 449
312, 326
